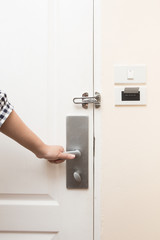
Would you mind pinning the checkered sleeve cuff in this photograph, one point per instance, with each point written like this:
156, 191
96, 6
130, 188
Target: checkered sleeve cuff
5, 108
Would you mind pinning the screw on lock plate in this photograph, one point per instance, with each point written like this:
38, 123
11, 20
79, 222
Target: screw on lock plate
85, 100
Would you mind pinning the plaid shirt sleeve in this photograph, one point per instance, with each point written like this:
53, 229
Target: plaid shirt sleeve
5, 108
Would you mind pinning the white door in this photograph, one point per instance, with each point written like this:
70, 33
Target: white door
46, 59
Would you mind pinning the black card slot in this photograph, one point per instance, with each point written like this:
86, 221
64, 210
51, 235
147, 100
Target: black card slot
130, 96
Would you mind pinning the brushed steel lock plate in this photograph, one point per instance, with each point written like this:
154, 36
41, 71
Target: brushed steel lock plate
77, 138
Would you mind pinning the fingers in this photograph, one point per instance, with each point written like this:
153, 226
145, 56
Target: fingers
59, 155
66, 156
62, 157
56, 161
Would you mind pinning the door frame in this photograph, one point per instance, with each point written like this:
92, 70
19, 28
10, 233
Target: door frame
97, 76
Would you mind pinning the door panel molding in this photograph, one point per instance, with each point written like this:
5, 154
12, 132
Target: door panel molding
27, 200
28, 235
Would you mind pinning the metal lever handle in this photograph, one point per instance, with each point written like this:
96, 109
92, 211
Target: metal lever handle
77, 153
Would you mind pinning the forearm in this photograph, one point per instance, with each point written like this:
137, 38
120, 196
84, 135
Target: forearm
16, 129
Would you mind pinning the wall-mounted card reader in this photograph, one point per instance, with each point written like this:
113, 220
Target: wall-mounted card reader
131, 94
125, 95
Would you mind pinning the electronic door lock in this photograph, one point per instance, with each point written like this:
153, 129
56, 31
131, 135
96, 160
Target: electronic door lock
77, 137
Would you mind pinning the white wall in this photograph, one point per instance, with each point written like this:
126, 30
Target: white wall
131, 135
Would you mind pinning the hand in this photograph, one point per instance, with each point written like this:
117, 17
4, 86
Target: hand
54, 154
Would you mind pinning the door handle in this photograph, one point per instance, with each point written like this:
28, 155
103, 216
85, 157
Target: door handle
77, 153
77, 143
